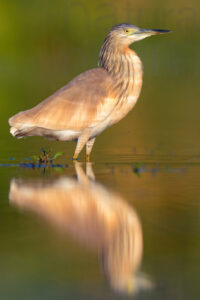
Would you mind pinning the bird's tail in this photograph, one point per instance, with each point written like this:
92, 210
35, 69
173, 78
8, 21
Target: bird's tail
19, 132
20, 125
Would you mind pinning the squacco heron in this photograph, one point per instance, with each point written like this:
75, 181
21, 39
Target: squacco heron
95, 99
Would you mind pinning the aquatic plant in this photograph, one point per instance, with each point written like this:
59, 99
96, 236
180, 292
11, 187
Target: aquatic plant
46, 156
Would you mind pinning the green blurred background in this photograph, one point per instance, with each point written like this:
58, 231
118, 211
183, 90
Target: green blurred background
44, 44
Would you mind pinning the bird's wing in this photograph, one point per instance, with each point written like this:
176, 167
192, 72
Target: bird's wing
83, 102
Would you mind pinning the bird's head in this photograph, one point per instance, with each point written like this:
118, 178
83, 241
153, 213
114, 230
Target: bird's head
126, 34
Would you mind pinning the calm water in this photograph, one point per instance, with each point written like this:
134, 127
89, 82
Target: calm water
101, 230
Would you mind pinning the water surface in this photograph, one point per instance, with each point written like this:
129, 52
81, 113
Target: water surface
101, 231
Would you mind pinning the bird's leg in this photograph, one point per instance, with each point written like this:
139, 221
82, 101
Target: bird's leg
89, 146
82, 140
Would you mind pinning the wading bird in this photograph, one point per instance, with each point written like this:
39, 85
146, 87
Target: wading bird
94, 100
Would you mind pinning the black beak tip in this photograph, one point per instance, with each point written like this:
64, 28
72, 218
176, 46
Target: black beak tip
160, 31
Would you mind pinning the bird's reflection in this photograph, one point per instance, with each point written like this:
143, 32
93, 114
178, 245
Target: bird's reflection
94, 215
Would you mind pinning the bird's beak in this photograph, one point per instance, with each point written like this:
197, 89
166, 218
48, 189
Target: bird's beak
141, 33
152, 31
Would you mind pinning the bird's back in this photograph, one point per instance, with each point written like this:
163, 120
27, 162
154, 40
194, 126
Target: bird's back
83, 102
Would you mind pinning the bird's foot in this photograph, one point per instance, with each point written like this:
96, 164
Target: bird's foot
74, 158
87, 158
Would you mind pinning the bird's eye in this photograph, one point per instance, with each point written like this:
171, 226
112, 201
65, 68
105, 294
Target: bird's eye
126, 30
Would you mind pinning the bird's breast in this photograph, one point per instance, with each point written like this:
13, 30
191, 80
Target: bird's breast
131, 87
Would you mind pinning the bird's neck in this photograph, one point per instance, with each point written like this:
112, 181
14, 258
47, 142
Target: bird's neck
124, 66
